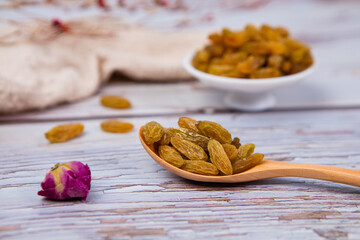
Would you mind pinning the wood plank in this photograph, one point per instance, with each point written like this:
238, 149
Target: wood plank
133, 197
147, 100
151, 99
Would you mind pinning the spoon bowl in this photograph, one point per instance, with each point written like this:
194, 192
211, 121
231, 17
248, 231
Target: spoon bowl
266, 169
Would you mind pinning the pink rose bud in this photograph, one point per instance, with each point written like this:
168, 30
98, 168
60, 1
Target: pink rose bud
67, 180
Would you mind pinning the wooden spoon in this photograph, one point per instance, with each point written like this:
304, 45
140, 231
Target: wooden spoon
267, 169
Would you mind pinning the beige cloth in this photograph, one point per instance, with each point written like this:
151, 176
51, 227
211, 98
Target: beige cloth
38, 69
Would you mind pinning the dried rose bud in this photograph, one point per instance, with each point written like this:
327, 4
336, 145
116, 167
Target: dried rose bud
67, 180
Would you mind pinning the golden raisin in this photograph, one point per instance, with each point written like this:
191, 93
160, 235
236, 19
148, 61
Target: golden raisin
165, 139
246, 150
203, 56
215, 131
115, 126
253, 32
250, 64
266, 72
152, 132
232, 39
236, 142
269, 33
282, 32
219, 158
62, 133
115, 102
189, 149
170, 155
231, 151
215, 38
188, 123
189, 135
200, 167
274, 61
221, 69
276, 48
244, 164
258, 48
215, 50
286, 66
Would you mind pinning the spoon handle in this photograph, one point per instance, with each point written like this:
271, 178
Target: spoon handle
321, 172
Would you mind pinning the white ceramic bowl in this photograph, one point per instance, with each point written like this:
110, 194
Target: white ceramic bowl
245, 94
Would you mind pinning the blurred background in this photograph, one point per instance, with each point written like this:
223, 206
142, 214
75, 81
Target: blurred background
57, 52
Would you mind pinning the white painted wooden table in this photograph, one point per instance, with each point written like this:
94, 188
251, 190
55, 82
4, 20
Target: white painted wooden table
133, 198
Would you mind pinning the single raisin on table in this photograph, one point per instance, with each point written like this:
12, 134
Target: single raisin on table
115, 126
243, 164
62, 133
219, 158
200, 167
215, 131
112, 101
152, 132
171, 155
189, 149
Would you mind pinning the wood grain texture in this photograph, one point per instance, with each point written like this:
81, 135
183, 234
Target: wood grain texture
134, 198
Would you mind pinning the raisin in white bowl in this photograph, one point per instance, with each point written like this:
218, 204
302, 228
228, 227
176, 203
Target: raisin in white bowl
244, 93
